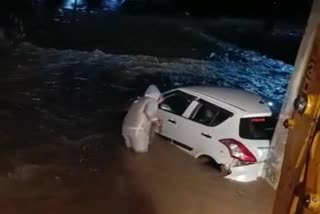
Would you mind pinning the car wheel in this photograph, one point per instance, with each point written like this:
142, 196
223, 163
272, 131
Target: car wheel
204, 159
224, 169
210, 162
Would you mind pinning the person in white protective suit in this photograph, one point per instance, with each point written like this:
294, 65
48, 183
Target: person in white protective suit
139, 119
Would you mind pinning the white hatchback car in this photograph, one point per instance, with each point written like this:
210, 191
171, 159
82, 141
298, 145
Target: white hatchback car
231, 127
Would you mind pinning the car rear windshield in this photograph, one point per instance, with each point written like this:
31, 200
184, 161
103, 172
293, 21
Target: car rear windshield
257, 128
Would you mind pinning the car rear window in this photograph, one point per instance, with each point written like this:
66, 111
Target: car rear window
209, 114
257, 128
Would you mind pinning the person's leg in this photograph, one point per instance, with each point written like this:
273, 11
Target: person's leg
127, 141
140, 142
152, 133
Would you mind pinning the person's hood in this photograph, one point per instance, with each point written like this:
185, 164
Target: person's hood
152, 92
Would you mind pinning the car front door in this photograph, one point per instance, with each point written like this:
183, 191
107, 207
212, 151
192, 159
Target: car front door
173, 110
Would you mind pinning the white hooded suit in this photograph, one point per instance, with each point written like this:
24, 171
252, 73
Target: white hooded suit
137, 123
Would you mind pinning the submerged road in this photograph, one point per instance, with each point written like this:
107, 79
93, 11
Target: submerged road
48, 179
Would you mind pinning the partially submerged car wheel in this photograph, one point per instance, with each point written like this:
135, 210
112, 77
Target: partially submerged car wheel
224, 170
210, 162
204, 159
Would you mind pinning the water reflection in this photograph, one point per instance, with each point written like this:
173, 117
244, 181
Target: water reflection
71, 4
107, 5
112, 5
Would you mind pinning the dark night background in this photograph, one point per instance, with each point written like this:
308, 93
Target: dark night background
277, 9
38, 16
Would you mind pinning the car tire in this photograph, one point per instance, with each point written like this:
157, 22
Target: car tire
203, 160
224, 170
210, 162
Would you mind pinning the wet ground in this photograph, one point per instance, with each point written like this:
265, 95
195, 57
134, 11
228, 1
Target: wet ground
46, 179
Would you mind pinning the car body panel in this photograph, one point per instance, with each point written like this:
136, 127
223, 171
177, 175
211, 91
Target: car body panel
246, 173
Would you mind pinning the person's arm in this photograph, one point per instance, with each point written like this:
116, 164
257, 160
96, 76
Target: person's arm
151, 110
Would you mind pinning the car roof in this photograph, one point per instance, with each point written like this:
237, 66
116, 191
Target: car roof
241, 99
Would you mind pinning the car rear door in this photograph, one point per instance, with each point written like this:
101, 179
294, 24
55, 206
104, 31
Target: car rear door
207, 125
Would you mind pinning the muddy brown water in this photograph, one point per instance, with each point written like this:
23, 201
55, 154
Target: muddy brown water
47, 179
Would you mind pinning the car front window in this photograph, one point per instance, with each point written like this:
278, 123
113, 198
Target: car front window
176, 102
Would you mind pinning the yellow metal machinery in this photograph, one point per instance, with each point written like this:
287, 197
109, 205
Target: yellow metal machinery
299, 185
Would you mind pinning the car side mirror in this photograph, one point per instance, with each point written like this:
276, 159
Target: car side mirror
165, 107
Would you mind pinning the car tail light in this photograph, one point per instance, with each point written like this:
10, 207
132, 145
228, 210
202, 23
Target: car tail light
239, 151
259, 119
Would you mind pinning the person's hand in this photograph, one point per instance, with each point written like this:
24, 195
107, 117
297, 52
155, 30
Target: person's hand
159, 122
158, 125
160, 99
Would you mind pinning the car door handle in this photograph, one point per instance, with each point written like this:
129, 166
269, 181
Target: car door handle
172, 121
206, 135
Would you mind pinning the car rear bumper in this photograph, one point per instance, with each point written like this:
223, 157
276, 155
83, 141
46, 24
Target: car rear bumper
246, 173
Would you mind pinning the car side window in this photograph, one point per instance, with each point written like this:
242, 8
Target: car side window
209, 114
176, 102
